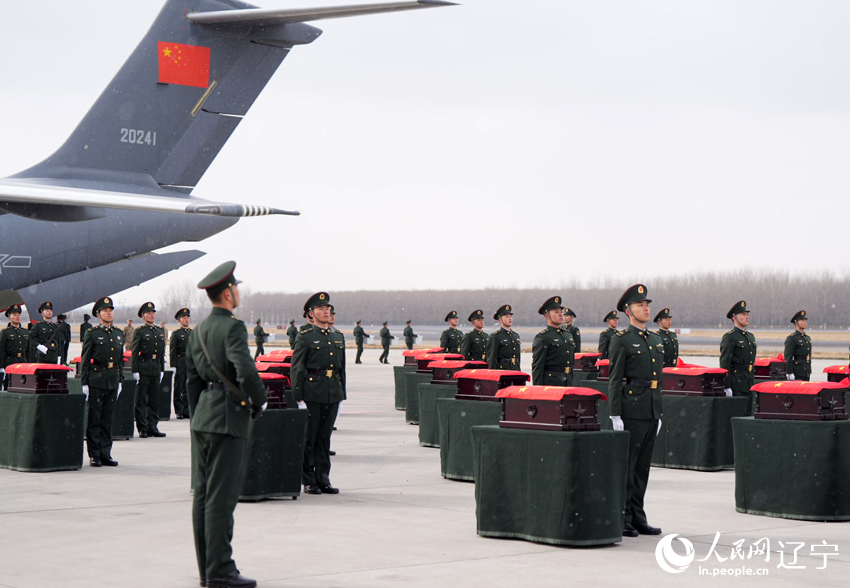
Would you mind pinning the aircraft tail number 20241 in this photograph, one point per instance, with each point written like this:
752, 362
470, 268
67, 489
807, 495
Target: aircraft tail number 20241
138, 137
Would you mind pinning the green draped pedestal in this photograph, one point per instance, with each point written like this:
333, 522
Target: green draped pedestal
398, 375
123, 416
456, 419
275, 455
696, 432
584, 376
429, 424
560, 488
411, 395
163, 407
792, 469
41, 432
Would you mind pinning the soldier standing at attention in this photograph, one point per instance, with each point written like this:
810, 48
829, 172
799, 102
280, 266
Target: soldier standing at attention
504, 349
451, 338
177, 349
292, 333
605, 336
359, 335
635, 399
798, 350
85, 327
318, 383
129, 331
148, 364
409, 335
65, 328
385, 343
569, 317
101, 374
45, 337
671, 342
14, 344
474, 344
738, 354
553, 348
259, 339
225, 391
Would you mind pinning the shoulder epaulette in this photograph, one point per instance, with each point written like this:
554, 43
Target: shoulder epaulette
619, 333
543, 332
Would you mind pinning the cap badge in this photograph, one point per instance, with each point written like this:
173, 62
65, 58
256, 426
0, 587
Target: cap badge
640, 289
507, 307
803, 313
743, 303
321, 296
106, 300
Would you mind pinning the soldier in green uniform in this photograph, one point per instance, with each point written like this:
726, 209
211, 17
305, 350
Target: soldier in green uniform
569, 317
359, 336
798, 350
451, 338
259, 339
553, 349
738, 354
664, 320
474, 344
65, 329
409, 335
318, 384
634, 391
14, 344
148, 365
45, 337
504, 349
386, 338
225, 391
605, 336
101, 374
292, 333
85, 327
308, 325
177, 349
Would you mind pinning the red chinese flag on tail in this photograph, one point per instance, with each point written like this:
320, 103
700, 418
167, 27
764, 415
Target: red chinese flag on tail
187, 65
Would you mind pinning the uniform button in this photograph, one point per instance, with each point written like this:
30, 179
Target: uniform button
332, 352
653, 360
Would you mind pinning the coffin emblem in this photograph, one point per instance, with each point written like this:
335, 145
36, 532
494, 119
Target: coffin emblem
532, 410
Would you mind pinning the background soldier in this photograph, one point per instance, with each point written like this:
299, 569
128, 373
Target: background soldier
259, 339
738, 354
14, 344
45, 337
65, 328
798, 350
553, 349
451, 338
292, 333
385, 343
101, 374
221, 416
605, 336
178, 347
85, 327
359, 335
635, 399
308, 325
671, 342
129, 331
318, 383
474, 344
569, 317
148, 364
504, 349
409, 336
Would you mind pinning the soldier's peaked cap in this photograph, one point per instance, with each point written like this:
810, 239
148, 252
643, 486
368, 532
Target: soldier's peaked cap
385, 323
219, 279
476, 314
45, 306
551, 304
86, 317
570, 312
740, 306
636, 293
451, 315
406, 322
317, 299
181, 313
503, 310
800, 316
13, 309
662, 315
292, 322
609, 316
105, 302
147, 307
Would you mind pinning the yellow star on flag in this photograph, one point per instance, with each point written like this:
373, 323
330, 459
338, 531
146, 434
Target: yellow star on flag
166, 52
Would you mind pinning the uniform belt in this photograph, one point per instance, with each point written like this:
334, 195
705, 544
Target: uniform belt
326, 373
510, 360
109, 364
558, 368
216, 386
653, 384
749, 366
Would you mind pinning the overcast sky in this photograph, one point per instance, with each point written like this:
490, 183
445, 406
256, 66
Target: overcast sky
498, 143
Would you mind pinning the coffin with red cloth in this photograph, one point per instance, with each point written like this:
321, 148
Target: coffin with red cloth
274, 368
770, 368
801, 401
550, 408
410, 355
424, 360
693, 380
78, 363
276, 386
444, 371
586, 362
38, 378
604, 367
836, 373
485, 383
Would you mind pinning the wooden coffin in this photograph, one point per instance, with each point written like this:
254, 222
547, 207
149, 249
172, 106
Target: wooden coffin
604, 367
800, 401
78, 366
282, 355
276, 386
38, 378
769, 368
550, 408
693, 381
443, 372
836, 373
424, 360
586, 362
409, 355
275, 368
483, 384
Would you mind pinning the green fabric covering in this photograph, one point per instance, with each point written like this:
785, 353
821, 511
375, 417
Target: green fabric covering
456, 418
696, 432
163, 407
398, 374
792, 469
275, 455
41, 432
429, 424
123, 418
411, 396
583, 376
561, 488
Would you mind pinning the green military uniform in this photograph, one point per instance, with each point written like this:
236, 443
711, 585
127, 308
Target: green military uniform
220, 424
798, 351
259, 339
669, 339
85, 327
292, 333
148, 361
101, 374
409, 336
474, 344
14, 346
504, 350
177, 348
605, 336
450, 339
574, 331
553, 352
737, 356
359, 336
65, 329
385, 343
634, 392
318, 379
48, 335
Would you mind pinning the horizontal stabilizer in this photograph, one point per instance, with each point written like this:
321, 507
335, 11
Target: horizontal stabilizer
274, 16
30, 193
